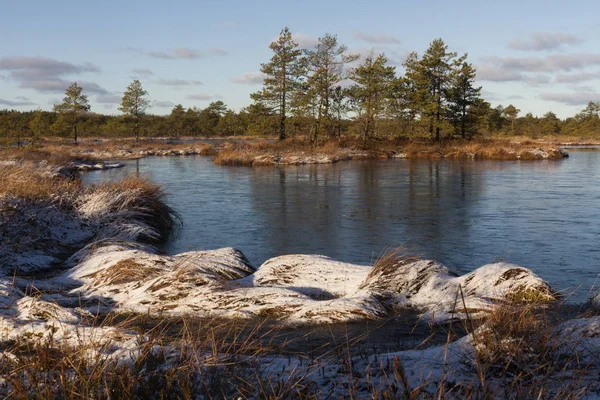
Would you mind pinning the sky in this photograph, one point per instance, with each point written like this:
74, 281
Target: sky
536, 55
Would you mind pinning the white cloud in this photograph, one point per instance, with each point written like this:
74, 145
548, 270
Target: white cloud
178, 82
163, 104
47, 75
578, 97
550, 63
181, 53
578, 77
15, 103
375, 38
249, 78
142, 71
541, 41
305, 41
199, 96
109, 99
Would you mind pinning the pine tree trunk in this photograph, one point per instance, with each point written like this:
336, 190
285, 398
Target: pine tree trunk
437, 120
75, 132
315, 137
282, 112
282, 120
462, 122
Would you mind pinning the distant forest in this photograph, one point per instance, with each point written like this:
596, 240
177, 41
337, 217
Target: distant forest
317, 94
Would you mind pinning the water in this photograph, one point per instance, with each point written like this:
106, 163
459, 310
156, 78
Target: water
544, 215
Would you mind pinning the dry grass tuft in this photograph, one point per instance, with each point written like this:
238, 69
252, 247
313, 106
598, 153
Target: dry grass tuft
125, 271
519, 352
388, 262
135, 197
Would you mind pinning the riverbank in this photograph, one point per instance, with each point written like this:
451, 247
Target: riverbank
83, 290
290, 152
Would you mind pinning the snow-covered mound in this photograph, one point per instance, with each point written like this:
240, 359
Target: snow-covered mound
313, 275
427, 285
295, 289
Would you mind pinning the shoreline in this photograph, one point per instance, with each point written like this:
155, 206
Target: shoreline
263, 152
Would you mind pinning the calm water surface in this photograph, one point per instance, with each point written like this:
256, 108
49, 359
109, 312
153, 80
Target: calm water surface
544, 215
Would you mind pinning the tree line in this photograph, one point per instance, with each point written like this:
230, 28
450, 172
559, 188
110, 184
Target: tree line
316, 94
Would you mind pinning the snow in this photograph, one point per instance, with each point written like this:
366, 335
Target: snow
96, 166
294, 289
596, 301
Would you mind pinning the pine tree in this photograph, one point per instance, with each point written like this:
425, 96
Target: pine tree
410, 92
282, 75
74, 103
373, 79
512, 112
134, 104
325, 65
38, 126
436, 68
339, 107
462, 94
177, 119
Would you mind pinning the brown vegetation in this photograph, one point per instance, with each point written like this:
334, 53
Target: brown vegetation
24, 181
299, 152
127, 149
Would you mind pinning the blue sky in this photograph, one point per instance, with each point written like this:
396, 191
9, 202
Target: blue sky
537, 55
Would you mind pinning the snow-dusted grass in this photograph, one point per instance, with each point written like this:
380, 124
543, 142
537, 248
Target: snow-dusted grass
292, 289
190, 359
46, 215
120, 149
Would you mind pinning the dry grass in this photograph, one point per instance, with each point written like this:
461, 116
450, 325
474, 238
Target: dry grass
388, 261
482, 149
297, 152
126, 149
173, 359
125, 271
519, 353
27, 182
552, 140
52, 155
187, 358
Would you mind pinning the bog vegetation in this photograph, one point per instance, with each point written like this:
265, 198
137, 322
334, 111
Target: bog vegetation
318, 94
